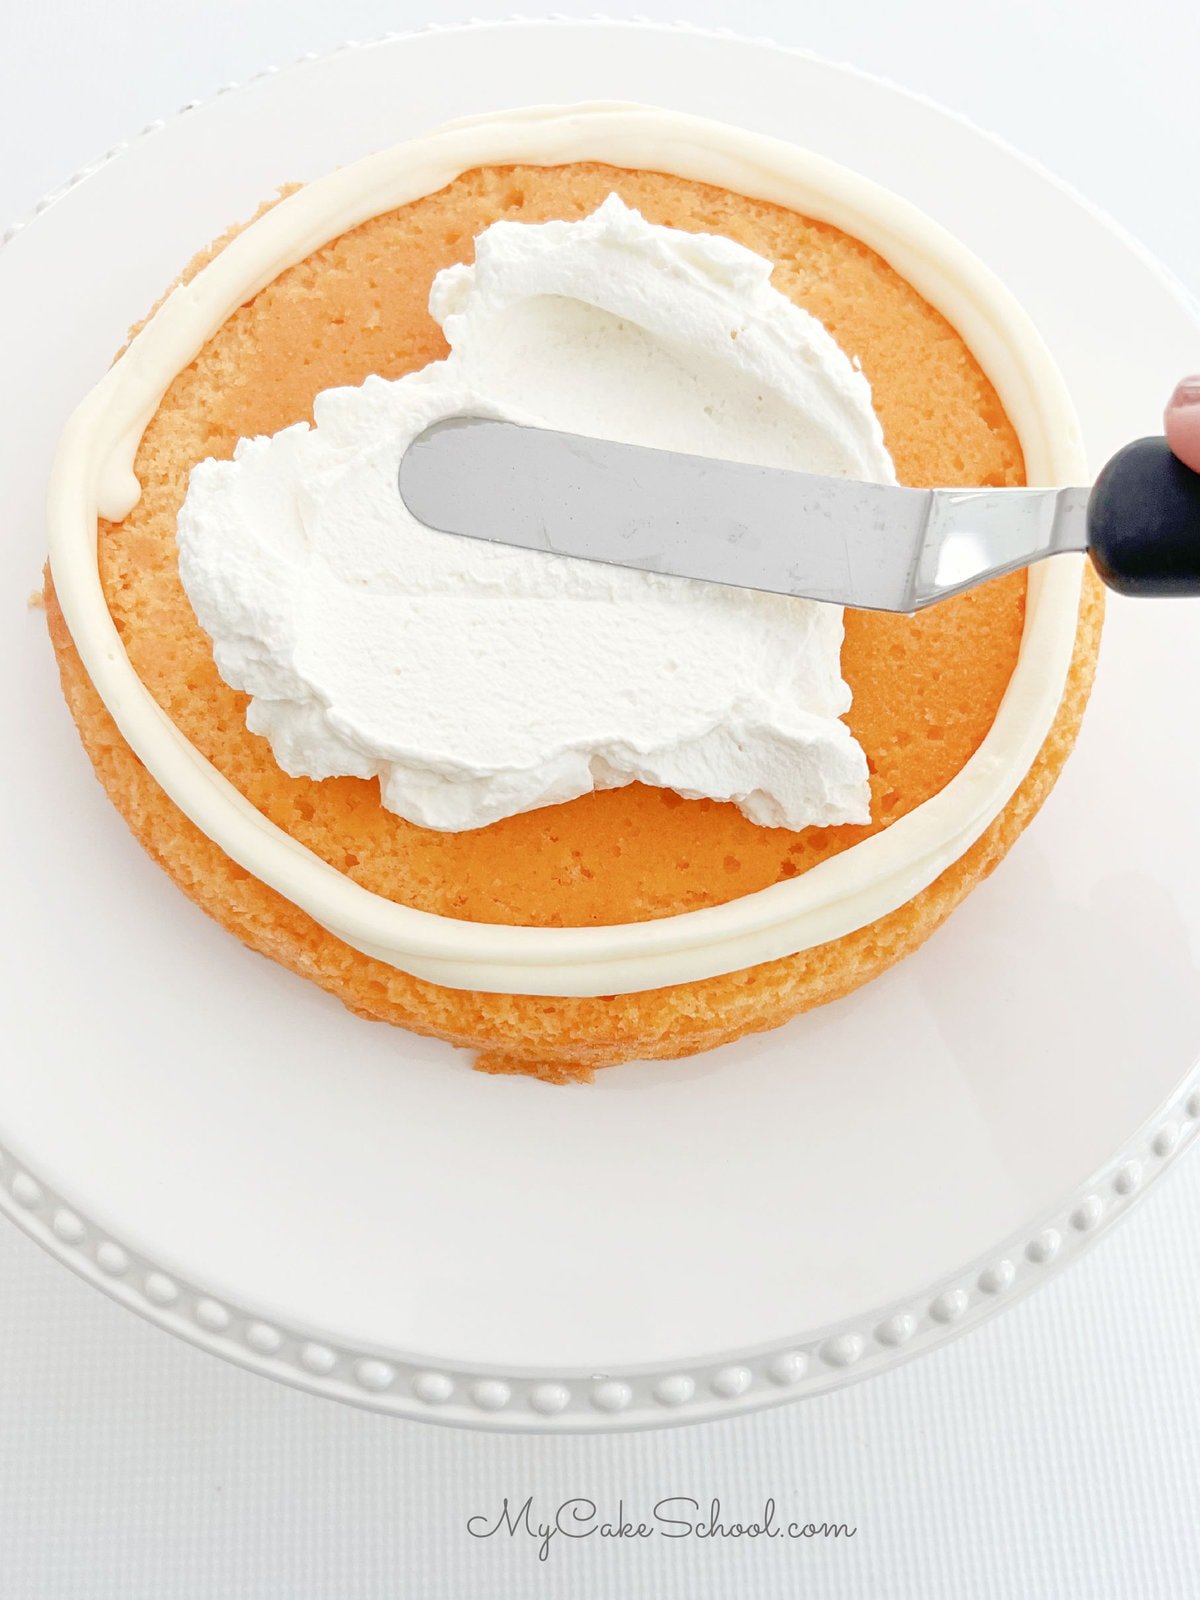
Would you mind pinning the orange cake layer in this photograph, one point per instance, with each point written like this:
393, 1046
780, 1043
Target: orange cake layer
925, 689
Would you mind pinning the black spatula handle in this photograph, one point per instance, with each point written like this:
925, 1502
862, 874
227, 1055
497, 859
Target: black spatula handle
1143, 522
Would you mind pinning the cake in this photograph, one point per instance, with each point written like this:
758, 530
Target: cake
926, 689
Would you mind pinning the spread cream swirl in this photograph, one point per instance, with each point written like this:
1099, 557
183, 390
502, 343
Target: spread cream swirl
476, 680
94, 476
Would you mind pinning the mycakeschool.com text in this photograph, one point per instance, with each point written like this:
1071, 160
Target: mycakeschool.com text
678, 1516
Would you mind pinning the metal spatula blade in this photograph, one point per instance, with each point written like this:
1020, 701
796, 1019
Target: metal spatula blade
872, 546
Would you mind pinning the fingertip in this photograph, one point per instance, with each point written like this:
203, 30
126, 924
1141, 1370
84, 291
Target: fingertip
1181, 421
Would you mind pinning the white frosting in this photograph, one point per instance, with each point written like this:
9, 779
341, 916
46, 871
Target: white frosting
477, 681
94, 475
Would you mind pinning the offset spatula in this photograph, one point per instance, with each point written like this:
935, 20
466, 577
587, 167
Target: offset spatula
871, 546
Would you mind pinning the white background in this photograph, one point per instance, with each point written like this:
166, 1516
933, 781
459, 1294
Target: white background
1054, 1453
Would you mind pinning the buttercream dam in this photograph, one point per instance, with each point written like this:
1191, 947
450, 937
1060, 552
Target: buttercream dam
561, 815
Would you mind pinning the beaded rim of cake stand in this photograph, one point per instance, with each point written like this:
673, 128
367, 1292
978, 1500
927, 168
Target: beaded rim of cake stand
698, 1390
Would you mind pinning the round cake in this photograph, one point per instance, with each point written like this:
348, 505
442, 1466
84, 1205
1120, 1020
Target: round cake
926, 689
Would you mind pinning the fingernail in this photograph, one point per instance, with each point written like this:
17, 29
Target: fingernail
1187, 392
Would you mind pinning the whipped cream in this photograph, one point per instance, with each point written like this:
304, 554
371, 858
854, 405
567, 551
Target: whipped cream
477, 681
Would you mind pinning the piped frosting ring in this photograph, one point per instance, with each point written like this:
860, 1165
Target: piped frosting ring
93, 477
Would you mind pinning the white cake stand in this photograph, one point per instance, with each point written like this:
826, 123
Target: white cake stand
351, 1209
